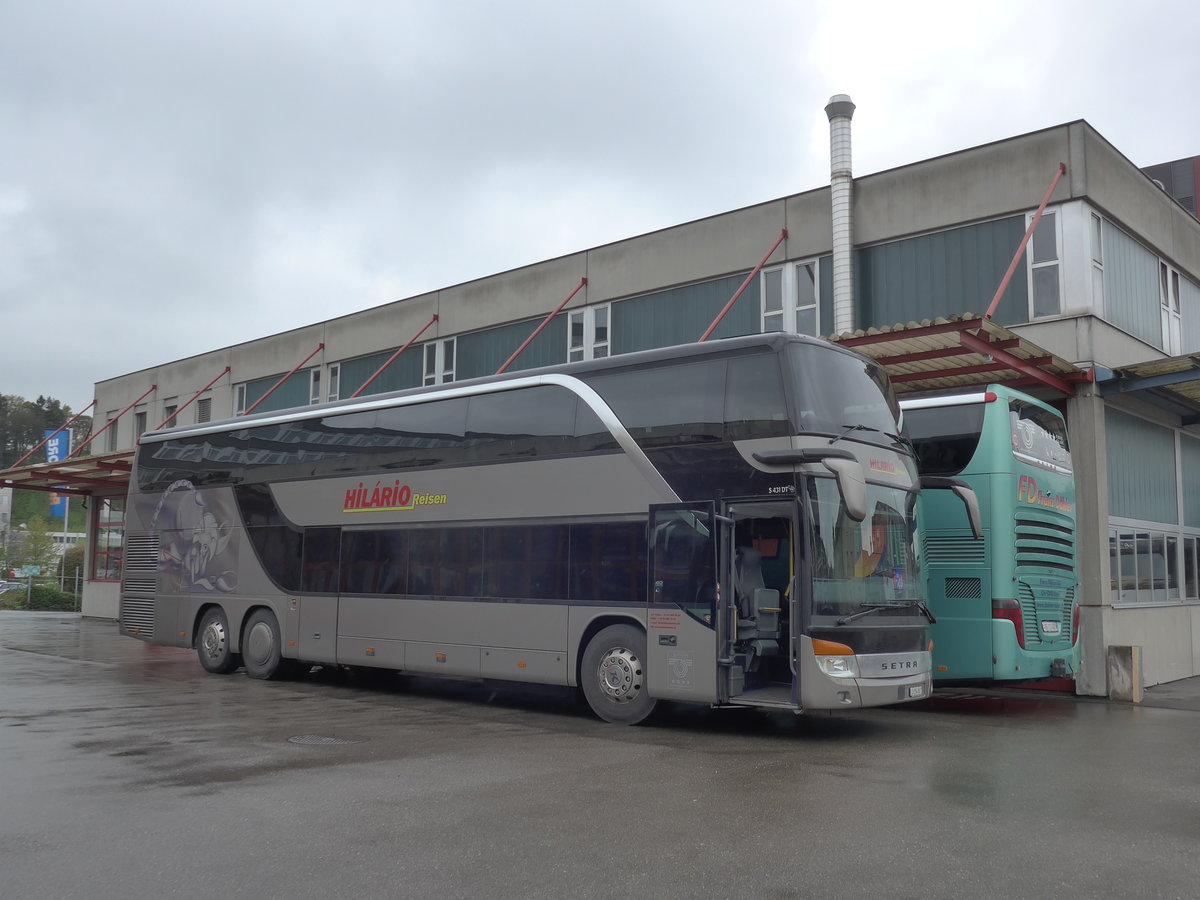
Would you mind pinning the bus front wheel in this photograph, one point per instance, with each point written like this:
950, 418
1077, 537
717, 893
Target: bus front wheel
614, 675
212, 643
261, 652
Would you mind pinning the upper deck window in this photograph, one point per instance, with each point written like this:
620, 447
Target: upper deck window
1038, 436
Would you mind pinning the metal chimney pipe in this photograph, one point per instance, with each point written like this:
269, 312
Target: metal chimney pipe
840, 110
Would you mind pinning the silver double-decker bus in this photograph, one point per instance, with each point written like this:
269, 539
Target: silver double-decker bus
727, 523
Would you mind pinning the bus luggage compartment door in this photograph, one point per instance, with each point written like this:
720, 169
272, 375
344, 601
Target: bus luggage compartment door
681, 616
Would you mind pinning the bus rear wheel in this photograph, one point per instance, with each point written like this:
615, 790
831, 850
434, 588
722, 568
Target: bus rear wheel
614, 675
261, 652
212, 643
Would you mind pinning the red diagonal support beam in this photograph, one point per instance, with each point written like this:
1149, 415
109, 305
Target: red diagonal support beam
112, 421
745, 284
275, 386
47, 438
175, 415
391, 359
1012, 266
1025, 367
546, 321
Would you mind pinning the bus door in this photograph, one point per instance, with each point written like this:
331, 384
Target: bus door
763, 540
683, 609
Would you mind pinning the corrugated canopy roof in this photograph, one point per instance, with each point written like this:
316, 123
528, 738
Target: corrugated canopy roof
107, 474
1172, 384
961, 352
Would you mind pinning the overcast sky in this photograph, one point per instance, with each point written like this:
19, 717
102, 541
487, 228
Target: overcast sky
179, 177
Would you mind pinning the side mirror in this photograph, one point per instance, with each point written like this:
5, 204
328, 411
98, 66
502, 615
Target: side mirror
964, 493
851, 485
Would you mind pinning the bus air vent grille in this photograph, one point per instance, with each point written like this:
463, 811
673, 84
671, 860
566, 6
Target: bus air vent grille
137, 615
1041, 543
141, 553
964, 588
954, 551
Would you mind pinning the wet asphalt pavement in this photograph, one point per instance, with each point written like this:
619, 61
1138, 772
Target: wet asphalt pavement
126, 771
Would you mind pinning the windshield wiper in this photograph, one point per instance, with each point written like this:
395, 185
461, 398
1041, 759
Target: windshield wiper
889, 604
849, 428
873, 607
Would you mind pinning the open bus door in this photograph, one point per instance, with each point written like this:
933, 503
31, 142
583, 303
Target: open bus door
684, 610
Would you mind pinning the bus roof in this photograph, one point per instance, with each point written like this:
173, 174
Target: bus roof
772, 341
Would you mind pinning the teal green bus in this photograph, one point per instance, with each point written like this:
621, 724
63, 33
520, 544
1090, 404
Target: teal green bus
1005, 603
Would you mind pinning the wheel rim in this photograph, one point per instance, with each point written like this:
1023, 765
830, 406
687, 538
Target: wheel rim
620, 675
260, 643
214, 640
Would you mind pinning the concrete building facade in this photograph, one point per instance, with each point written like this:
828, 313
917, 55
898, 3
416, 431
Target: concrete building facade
1110, 283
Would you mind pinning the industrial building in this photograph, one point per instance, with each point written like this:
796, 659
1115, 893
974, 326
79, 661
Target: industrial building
916, 266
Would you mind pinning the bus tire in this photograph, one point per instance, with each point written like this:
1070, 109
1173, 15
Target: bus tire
613, 675
261, 651
212, 643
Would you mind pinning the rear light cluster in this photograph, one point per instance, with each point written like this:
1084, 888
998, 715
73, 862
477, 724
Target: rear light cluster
1010, 610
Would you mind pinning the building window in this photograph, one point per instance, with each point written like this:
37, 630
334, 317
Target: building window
239, 398
587, 333
439, 361
111, 425
1144, 565
335, 377
109, 529
139, 424
314, 387
1168, 295
170, 407
1097, 242
204, 410
1045, 293
790, 297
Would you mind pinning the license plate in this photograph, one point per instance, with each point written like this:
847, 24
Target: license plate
916, 690
1051, 627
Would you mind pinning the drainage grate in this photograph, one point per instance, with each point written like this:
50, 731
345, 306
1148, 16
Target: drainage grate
321, 739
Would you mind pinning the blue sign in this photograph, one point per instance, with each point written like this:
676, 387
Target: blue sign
58, 447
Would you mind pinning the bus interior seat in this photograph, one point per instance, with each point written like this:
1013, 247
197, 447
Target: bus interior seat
757, 605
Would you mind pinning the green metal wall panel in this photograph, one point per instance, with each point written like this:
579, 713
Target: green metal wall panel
825, 298
404, 372
680, 315
1131, 299
941, 274
293, 392
483, 352
1141, 468
1189, 458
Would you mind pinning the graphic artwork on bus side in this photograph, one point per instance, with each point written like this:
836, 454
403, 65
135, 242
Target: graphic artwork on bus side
198, 551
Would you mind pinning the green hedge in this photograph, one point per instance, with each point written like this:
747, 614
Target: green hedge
43, 596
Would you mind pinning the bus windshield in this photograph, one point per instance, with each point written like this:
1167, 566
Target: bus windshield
836, 391
856, 564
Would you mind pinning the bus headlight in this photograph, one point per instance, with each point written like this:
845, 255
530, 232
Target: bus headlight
834, 659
